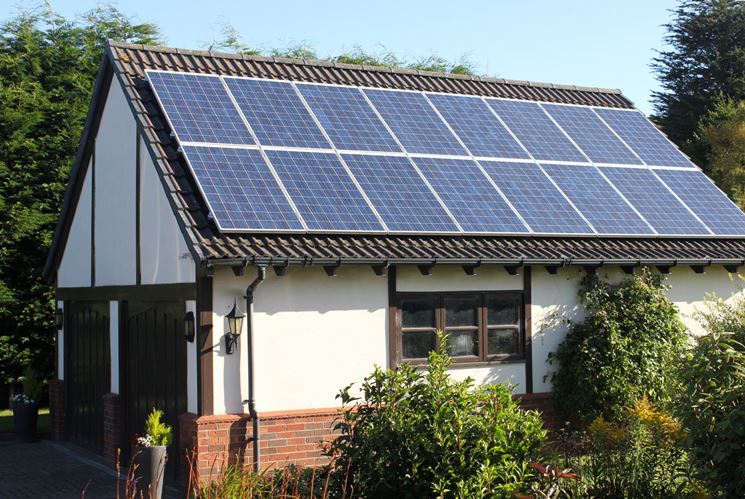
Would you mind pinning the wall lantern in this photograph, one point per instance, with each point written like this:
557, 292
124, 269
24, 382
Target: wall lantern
189, 326
235, 326
59, 319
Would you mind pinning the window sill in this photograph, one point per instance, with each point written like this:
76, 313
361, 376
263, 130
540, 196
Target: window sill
467, 364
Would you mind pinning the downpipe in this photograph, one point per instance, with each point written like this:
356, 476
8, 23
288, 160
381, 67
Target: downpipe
261, 275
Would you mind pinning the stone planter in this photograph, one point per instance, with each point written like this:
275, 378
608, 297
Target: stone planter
25, 415
149, 471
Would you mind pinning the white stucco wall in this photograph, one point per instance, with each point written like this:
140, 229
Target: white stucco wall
192, 392
164, 256
114, 193
114, 342
75, 265
61, 345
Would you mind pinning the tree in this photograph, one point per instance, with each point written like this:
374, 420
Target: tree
706, 62
47, 68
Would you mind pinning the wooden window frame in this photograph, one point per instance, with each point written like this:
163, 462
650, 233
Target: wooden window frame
483, 327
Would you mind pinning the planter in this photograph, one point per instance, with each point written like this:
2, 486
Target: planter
149, 471
25, 415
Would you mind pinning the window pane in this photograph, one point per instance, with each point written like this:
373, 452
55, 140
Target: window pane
463, 343
501, 310
418, 345
418, 313
461, 311
503, 341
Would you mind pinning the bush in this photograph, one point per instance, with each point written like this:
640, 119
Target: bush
421, 434
626, 348
712, 402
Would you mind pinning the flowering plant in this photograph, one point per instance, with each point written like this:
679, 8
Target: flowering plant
156, 432
22, 398
146, 441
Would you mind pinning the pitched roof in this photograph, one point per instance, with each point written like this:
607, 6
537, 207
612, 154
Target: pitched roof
129, 63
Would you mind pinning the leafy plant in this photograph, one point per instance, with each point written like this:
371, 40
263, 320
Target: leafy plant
32, 385
416, 433
626, 348
156, 432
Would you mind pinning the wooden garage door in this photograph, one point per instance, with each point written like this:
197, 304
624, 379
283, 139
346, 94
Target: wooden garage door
87, 370
154, 367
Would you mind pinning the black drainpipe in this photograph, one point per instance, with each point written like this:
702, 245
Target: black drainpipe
249, 333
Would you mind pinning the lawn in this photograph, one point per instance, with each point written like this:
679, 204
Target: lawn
6, 421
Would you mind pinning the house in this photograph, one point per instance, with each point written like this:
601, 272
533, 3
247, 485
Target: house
243, 236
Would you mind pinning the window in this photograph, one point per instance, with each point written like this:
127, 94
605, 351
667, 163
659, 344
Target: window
481, 327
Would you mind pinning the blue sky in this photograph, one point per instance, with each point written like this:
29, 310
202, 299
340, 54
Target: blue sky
608, 44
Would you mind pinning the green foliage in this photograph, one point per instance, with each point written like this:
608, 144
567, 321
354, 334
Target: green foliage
705, 62
712, 402
289, 482
159, 432
626, 348
47, 68
32, 385
420, 434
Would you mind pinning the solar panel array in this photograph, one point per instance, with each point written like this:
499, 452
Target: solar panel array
272, 155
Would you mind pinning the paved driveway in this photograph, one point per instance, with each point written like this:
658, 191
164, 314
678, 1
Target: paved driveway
50, 470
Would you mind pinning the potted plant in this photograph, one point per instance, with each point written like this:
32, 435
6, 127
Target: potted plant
26, 407
150, 456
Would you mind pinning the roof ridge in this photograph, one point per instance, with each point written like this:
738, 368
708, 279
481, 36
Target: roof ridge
362, 67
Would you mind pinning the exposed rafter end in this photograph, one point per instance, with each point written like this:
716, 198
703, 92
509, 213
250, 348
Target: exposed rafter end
426, 269
732, 269
380, 269
238, 270
699, 269
280, 270
663, 269
331, 270
628, 269
512, 269
552, 269
470, 269
591, 269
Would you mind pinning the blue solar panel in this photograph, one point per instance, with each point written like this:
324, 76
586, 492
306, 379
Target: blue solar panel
706, 200
591, 134
654, 201
536, 198
323, 191
477, 126
348, 118
536, 131
199, 108
399, 194
470, 197
240, 189
414, 122
276, 113
643, 137
597, 200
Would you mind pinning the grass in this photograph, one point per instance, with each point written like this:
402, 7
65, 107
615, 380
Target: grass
43, 425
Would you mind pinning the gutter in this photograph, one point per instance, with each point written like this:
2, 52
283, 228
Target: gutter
261, 275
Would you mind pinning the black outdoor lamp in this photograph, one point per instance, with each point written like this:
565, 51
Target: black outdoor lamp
235, 326
59, 318
189, 326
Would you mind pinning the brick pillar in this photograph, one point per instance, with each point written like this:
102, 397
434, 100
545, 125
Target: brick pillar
188, 435
543, 403
57, 408
112, 431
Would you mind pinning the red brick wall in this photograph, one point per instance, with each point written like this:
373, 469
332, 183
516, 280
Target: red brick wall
542, 403
57, 408
112, 436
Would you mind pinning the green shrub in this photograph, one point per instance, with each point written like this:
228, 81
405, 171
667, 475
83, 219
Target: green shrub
626, 348
712, 402
420, 433
32, 385
159, 432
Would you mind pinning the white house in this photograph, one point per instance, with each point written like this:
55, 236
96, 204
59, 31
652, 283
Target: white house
348, 212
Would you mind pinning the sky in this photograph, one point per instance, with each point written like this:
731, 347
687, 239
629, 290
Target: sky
580, 42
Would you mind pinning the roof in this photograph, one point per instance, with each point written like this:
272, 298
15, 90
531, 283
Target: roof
128, 63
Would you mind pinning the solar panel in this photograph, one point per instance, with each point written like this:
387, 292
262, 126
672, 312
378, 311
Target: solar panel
276, 113
654, 201
643, 137
536, 131
477, 126
348, 118
536, 198
414, 122
470, 197
597, 200
240, 189
720, 214
323, 191
593, 136
399, 194
199, 108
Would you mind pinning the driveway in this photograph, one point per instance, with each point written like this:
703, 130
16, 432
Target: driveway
53, 470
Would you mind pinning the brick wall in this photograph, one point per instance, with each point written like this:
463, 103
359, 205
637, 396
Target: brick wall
57, 408
112, 435
543, 403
